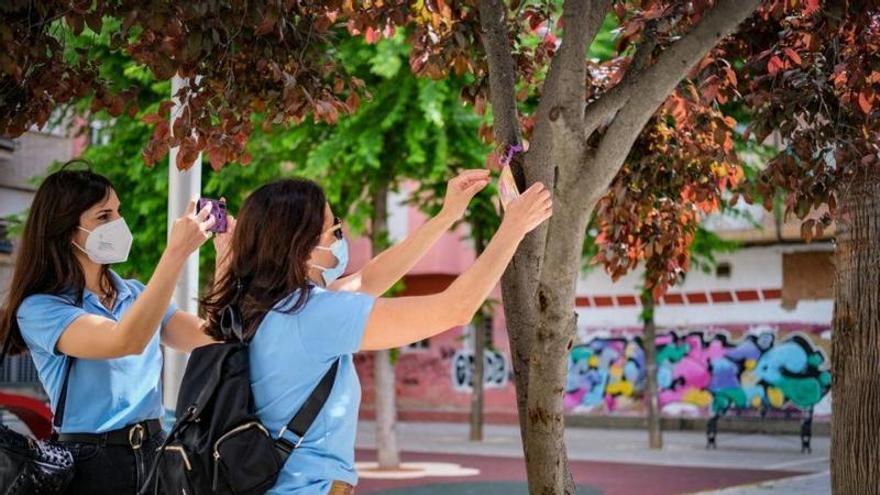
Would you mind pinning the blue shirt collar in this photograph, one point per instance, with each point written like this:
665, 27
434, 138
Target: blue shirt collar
122, 290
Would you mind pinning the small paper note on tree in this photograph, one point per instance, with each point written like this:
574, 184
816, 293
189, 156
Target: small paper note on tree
507, 189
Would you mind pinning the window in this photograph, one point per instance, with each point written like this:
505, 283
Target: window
722, 270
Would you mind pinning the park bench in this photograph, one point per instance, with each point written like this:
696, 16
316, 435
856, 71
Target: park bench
804, 415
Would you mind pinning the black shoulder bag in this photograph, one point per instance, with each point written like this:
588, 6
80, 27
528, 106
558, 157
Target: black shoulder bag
29, 466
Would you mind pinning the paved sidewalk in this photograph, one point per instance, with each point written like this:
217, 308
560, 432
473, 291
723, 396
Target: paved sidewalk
808, 484
460, 474
681, 448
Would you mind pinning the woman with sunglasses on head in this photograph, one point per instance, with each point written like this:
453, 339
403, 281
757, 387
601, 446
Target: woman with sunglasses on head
94, 336
299, 323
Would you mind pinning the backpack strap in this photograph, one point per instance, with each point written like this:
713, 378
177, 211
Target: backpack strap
303, 419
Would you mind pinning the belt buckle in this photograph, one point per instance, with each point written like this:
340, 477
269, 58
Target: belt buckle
136, 436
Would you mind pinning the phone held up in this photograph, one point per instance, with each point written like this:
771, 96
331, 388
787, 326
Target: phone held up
218, 209
507, 190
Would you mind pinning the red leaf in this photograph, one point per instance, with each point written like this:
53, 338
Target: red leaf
372, 35
811, 6
731, 75
865, 102
774, 65
152, 118
793, 56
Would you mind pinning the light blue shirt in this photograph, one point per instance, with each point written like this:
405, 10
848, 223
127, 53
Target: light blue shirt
289, 355
104, 394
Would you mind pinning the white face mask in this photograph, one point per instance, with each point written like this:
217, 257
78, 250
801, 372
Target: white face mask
108, 243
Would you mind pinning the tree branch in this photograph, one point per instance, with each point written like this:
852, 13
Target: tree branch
602, 110
653, 86
564, 87
564, 90
502, 71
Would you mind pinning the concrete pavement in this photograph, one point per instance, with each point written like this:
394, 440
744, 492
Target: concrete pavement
808, 484
741, 451
603, 461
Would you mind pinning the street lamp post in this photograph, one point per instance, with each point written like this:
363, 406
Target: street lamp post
182, 186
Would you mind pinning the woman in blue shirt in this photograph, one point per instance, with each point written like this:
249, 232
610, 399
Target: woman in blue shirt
72, 312
287, 254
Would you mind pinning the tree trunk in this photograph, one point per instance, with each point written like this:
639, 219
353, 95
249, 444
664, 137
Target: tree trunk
482, 323
855, 422
546, 458
383, 369
649, 341
539, 285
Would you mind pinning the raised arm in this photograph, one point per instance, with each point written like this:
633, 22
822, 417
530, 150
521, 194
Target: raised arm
384, 270
95, 337
395, 322
185, 331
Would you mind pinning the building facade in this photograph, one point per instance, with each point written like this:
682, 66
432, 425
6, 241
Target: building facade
751, 336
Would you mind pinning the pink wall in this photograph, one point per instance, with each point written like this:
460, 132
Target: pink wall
452, 254
426, 377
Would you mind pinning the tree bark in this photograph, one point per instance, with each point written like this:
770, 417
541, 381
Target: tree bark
383, 369
855, 422
519, 283
484, 322
481, 324
649, 341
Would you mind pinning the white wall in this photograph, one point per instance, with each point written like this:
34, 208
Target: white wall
751, 268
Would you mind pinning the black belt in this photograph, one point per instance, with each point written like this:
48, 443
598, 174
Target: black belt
131, 435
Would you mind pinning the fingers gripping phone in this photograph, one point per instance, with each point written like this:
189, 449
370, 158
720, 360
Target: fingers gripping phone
218, 209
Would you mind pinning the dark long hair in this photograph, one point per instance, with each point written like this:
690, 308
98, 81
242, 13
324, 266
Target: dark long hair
46, 261
278, 226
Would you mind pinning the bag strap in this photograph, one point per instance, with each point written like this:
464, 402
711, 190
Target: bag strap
62, 400
307, 414
6, 345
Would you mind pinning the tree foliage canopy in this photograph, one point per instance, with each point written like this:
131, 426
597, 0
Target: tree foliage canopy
807, 69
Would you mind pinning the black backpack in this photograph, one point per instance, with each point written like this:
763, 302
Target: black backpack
218, 444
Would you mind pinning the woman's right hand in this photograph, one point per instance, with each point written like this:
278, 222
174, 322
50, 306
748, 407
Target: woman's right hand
191, 230
529, 210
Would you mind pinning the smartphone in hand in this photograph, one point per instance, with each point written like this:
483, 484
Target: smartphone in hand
507, 190
218, 209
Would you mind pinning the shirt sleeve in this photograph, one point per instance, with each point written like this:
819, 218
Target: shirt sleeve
139, 287
334, 322
42, 319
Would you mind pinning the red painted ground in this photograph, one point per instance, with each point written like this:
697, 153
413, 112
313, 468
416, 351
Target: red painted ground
610, 478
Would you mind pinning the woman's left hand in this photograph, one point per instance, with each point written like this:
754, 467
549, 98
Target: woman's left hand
461, 189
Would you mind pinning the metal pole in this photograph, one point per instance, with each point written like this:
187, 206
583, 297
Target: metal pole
182, 186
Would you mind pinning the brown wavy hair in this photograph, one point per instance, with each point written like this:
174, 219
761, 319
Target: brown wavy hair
45, 262
277, 228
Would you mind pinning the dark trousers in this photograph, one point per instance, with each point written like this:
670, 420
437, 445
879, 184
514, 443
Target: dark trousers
111, 469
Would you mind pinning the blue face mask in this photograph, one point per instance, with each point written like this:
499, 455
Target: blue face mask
339, 249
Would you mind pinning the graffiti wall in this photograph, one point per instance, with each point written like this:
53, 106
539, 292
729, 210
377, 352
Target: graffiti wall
495, 370
700, 373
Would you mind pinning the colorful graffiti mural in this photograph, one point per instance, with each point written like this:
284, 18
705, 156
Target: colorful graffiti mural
700, 371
